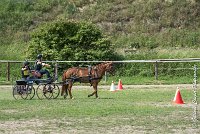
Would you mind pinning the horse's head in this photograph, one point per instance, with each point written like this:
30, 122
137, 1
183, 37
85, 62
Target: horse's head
109, 68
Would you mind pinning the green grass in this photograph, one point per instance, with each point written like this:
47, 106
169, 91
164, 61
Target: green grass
15, 51
140, 80
134, 80
129, 111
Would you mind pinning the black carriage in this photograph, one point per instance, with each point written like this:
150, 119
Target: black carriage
23, 89
43, 88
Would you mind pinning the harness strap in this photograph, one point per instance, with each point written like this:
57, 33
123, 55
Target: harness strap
89, 70
75, 78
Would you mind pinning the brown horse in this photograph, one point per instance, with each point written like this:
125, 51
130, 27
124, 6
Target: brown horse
91, 75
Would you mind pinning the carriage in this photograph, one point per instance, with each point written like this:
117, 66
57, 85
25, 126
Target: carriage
43, 88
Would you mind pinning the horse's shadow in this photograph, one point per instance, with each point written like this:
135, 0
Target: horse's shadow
103, 98
100, 98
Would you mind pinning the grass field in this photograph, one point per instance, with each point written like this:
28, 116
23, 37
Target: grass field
139, 109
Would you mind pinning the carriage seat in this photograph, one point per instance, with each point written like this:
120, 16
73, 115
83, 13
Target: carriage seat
36, 74
21, 82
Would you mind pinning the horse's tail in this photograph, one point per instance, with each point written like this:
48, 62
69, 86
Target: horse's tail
65, 79
64, 76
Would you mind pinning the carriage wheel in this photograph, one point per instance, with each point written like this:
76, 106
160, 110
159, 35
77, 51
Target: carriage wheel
24, 94
20, 92
48, 91
39, 92
30, 92
16, 93
56, 91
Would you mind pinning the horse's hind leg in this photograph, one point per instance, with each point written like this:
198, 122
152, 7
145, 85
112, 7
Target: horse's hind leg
64, 90
66, 93
95, 91
70, 90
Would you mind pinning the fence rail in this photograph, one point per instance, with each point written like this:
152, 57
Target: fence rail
155, 62
124, 61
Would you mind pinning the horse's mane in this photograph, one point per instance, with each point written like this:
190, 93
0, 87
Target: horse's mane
101, 64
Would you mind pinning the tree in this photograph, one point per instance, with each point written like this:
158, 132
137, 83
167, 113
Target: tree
70, 40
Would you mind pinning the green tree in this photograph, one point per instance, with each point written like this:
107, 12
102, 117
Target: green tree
70, 40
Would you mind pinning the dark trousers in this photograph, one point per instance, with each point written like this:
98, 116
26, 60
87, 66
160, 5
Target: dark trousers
44, 71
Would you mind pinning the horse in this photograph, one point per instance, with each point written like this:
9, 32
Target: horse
90, 74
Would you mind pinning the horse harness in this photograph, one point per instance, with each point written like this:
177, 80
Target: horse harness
76, 78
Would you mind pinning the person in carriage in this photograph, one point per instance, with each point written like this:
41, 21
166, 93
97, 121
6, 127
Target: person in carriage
39, 67
25, 71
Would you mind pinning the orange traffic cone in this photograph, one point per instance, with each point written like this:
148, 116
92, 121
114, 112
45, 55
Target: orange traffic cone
119, 87
112, 87
178, 99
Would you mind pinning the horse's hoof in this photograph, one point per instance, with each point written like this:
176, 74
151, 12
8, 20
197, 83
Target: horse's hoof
72, 98
89, 95
65, 97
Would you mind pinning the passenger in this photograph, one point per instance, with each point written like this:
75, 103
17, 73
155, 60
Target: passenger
40, 65
25, 70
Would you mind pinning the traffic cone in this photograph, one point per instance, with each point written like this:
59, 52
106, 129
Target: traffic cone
119, 87
178, 99
112, 87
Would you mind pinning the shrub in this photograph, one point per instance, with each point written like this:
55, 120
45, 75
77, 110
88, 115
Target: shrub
70, 40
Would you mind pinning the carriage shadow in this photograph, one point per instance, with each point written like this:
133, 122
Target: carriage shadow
76, 98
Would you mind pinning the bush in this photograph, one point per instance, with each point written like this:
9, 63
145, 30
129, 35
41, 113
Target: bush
70, 40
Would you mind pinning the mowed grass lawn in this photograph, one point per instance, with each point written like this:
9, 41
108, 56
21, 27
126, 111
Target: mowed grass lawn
148, 110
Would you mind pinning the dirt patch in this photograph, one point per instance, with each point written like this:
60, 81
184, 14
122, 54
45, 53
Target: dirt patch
10, 111
38, 126
61, 127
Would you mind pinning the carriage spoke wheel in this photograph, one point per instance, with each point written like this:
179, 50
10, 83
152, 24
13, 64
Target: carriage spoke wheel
48, 91
55, 91
24, 94
40, 92
16, 92
30, 92
24, 91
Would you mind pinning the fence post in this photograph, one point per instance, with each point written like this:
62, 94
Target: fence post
56, 71
105, 76
156, 70
8, 71
0, 70
195, 103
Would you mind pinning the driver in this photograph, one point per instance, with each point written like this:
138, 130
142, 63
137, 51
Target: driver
40, 65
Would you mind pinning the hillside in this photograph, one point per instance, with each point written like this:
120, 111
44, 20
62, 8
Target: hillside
163, 28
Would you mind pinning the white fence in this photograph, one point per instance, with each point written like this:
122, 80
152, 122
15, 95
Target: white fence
155, 62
